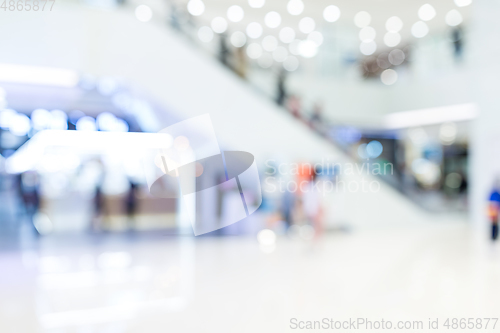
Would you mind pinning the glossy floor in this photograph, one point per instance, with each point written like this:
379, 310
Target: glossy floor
138, 283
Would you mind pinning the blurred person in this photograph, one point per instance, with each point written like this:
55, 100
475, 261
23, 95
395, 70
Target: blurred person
294, 106
174, 17
494, 208
29, 187
98, 207
313, 210
288, 204
464, 185
241, 63
131, 203
223, 50
302, 204
270, 206
316, 117
95, 168
304, 174
282, 94
458, 44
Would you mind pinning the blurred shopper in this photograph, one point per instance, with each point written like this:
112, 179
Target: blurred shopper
464, 185
98, 207
223, 50
493, 209
174, 17
458, 43
294, 106
311, 197
287, 207
96, 170
240, 67
282, 94
316, 120
131, 204
29, 188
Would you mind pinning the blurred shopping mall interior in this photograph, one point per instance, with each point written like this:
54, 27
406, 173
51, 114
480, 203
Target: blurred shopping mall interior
248, 165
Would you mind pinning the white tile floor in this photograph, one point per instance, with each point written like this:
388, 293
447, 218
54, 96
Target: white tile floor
151, 285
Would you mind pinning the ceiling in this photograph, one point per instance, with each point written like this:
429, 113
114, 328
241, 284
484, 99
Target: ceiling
380, 11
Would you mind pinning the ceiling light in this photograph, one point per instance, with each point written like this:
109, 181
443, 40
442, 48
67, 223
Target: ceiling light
316, 37
294, 47
256, 3
287, 35
238, 39
235, 13
426, 12
383, 61
463, 3
196, 7
143, 13
394, 24
367, 34
419, 29
362, 19
269, 43
453, 18
219, 25
291, 63
331, 13
295, 7
272, 19
254, 51
308, 49
205, 34
266, 60
280, 54
307, 25
368, 48
38, 75
392, 39
396, 57
389, 77
254, 30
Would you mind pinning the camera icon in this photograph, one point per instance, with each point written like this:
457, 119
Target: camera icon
215, 188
